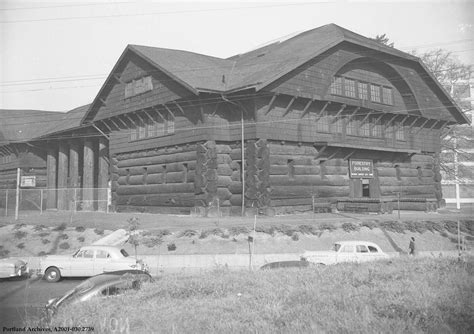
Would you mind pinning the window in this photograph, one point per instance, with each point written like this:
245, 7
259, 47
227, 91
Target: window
387, 95
351, 127
158, 127
349, 88
399, 131
87, 254
336, 86
377, 128
374, 93
100, 254
138, 86
347, 249
372, 249
361, 249
338, 125
363, 91
364, 129
322, 125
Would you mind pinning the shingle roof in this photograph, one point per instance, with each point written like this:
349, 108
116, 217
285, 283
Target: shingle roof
23, 125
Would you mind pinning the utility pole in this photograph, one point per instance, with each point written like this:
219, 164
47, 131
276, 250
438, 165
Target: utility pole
17, 204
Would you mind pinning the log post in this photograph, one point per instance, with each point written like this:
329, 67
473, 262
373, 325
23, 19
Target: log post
88, 176
103, 175
51, 160
63, 153
73, 172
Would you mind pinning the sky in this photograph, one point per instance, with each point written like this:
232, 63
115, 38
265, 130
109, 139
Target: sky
55, 55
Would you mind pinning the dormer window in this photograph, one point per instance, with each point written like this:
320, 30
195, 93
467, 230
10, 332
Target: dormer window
365, 91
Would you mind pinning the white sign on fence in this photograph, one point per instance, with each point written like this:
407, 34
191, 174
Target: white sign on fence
28, 181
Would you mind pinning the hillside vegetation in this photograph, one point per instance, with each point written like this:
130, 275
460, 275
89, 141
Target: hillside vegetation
406, 295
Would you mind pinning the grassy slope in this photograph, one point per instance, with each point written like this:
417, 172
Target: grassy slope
403, 296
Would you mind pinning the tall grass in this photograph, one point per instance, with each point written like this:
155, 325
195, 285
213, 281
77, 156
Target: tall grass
402, 296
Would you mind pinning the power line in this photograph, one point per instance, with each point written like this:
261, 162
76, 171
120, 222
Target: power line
64, 6
161, 13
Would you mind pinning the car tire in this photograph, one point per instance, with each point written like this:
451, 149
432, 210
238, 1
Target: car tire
52, 275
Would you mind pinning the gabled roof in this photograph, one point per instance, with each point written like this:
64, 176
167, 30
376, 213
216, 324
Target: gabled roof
67, 121
259, 68
23, 125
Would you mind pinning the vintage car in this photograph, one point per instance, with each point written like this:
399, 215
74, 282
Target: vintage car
103, 285
346, 251
88, 261
13, 268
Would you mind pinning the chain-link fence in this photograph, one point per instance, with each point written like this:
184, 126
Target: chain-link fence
466, 193
30, 201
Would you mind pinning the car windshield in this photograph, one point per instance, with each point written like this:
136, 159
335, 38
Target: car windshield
336, 247
124, 253
75, 253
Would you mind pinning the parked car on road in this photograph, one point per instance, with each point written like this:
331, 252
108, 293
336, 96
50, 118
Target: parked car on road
103, 285
285, 264
346, 251
88, 261
13, 268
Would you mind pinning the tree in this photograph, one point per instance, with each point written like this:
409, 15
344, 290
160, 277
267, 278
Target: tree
137, 238
383, 39
458, 141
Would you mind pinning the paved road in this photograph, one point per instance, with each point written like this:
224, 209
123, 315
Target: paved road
21, 300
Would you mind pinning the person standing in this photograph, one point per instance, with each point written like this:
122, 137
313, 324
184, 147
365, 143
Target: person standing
411, 247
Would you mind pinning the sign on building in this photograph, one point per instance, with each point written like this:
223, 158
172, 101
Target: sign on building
361, 169
28, 181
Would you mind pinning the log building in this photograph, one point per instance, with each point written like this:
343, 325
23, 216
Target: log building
325, 119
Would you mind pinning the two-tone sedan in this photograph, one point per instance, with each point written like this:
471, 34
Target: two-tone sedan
346, 251
88, 261
13, 268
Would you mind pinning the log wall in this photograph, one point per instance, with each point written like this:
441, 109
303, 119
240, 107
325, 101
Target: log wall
160, 180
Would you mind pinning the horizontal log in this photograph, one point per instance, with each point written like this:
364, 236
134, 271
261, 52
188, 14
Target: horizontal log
224, 181
156, 152
280, 192
186, 200
224, 169
223, 149
308, 180
224, 194
224, 159
408, 190
235, 187
156, 189
159, 159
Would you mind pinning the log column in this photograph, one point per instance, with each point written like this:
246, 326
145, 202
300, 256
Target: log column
63, 158
88, 176
103, 173
51, 161
73, 172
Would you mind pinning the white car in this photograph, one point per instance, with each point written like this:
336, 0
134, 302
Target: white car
13, 268
88, 261
346, 251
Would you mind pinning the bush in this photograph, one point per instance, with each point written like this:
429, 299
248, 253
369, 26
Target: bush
236, 230
20, 234
171, 247
216, 231
64, 236
369, 224
81, 239
161, 233
4, 252
38, 228
328, 226
44, 234
309, 229
18, 226
20, 246
61, 227
99, 231
188, 233
394, 226
64, 245
42, 253
45, 241
350, 227
295, 237
80, 228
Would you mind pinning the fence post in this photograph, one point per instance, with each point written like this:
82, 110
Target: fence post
6, 203
41, 201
